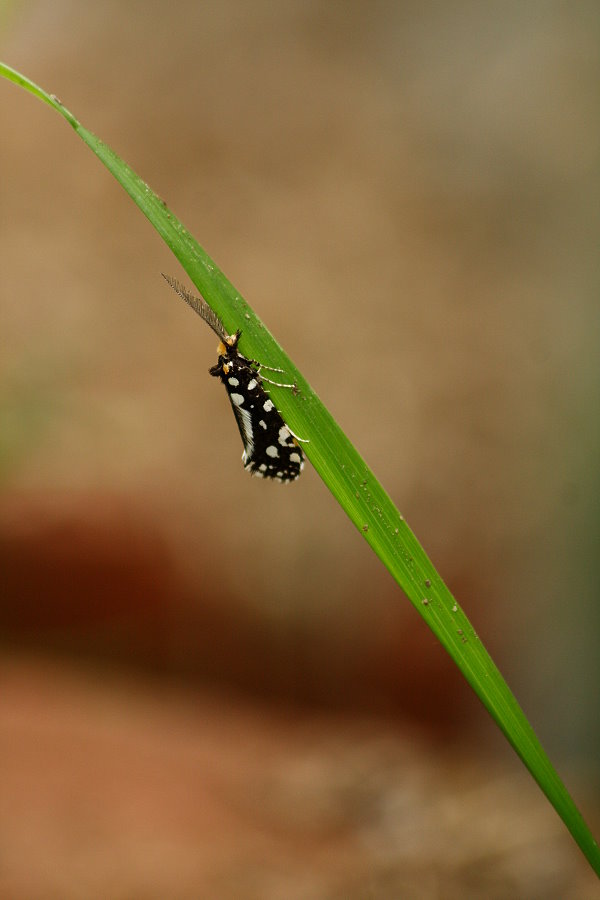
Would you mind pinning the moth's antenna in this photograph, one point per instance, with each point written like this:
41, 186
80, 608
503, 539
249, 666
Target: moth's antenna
199, 305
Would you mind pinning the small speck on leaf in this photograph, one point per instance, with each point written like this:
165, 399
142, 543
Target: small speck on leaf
365, 528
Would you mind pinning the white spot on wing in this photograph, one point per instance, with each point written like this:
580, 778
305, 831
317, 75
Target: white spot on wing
295, 457
268, 405
263, 424
252, 384
237, 399
245, 420
233, 381
284, 434
272, 451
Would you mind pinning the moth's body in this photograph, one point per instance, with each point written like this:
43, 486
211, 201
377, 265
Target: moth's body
271, 449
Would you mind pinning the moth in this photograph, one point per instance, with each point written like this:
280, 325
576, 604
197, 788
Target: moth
271, 449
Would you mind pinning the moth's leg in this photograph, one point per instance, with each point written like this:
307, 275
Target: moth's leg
277, 383
302, 440
270, 368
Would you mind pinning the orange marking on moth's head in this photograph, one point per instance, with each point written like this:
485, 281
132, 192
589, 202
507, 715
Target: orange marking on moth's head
222, 349
226, 369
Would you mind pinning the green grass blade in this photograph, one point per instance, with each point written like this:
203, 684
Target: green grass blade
351, 482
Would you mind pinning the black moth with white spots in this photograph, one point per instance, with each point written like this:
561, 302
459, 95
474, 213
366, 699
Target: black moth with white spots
271, 449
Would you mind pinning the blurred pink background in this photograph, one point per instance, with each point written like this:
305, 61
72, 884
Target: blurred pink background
210, 686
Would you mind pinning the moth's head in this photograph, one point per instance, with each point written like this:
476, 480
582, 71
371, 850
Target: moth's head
229, 344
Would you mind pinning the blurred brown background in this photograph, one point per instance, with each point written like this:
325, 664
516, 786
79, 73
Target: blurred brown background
209, 686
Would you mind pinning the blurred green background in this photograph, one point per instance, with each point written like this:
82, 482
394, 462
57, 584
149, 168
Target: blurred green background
211, 686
